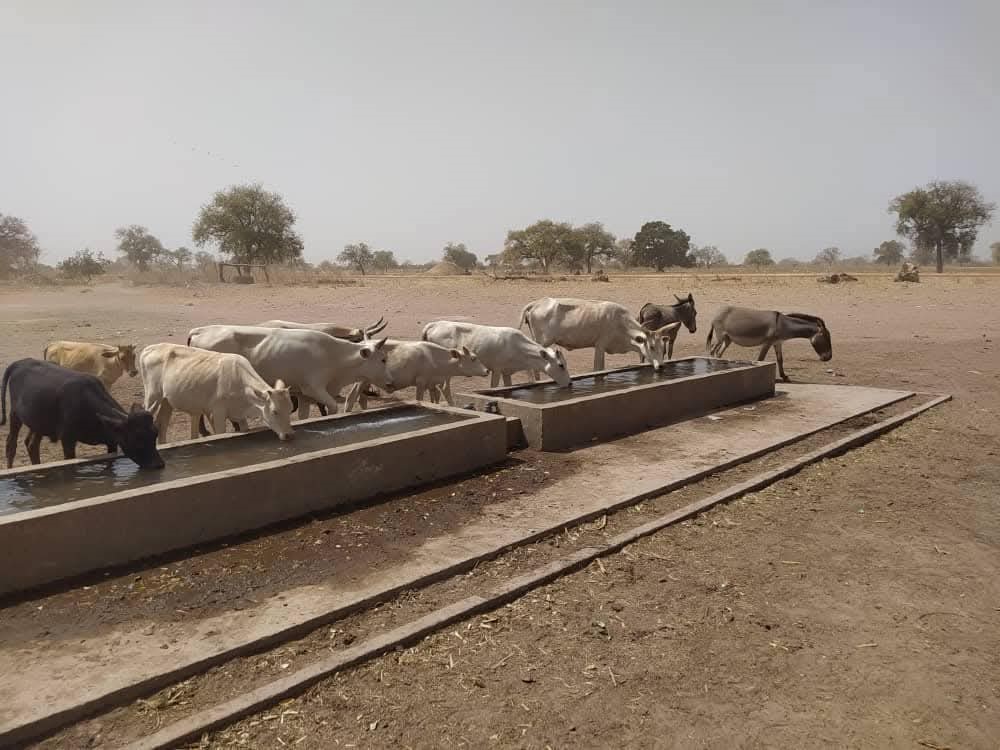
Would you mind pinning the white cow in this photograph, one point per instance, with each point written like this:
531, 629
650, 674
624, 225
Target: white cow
223, 386
606, 326
503, 351
331, 329
424, 365
310, 362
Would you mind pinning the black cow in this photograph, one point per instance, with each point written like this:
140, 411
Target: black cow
72, 407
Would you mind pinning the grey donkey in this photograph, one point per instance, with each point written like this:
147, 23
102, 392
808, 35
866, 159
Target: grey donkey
654, 317
767, 328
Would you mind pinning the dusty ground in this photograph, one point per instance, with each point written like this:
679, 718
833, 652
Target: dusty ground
752, 626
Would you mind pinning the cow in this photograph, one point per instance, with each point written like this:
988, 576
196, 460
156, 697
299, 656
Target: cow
658, 316
606, 326
503, 351
311, 363
72, 407
106, 362
426, 366
224, 386
331, 329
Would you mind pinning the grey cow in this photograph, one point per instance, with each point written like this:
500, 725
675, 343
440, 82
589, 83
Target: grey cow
657, 316
767, 328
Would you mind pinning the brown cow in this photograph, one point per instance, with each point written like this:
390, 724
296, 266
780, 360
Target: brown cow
104, 361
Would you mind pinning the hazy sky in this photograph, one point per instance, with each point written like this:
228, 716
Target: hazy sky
787, 125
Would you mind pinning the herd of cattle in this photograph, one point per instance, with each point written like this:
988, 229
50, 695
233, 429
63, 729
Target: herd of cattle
234, 373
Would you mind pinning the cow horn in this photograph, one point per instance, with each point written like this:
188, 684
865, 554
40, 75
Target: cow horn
678, 298
376, 327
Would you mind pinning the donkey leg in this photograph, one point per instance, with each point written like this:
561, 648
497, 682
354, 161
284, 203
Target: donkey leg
781, 361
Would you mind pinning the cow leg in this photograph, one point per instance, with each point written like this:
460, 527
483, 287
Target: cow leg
320, 395
162, 419
303, 410
322, 410
422, 391
33, 444
445, 391
507, 378
354, 396
781, 361
598, 358
15, 429
494, 378
68, 446
197, 426
219, 423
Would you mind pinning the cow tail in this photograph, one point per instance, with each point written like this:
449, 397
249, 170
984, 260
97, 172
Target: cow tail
3, 397
524, 318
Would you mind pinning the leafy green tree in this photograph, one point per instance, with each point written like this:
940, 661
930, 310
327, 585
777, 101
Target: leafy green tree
995, 253
457, 253
545, 242
658, 245
19, 250
758, 258
595, 243
358, 256
181, 256
138, 246
84, 264
250, 225
942, 218
708, 256
890, 252
383, 260
828, 256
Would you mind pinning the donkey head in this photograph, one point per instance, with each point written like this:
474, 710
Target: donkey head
686, 313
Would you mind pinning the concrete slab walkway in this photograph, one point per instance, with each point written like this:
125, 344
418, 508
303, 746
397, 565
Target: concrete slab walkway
50, 683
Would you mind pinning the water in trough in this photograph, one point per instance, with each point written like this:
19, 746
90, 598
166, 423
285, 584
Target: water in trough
63, 484
590, 385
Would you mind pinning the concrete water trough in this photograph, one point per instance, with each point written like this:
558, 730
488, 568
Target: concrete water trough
67, 518
611, 403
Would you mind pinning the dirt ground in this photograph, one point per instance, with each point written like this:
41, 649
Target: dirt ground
856, 604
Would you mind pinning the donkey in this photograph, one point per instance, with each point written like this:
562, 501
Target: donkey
656, 316
767, 328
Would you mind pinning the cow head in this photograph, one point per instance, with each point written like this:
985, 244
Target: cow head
135, 434
276, 409
555, 365
652, 343
686, 312
124, 353
374, 367
467, 362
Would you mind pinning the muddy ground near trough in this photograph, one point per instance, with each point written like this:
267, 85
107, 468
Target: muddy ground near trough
856, 604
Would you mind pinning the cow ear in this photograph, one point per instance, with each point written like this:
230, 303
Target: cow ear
668, 328
678, 298
466, 352
365, 352
109, 354
545, 353
279, 385
455, 354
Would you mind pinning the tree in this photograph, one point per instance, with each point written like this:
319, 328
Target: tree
828, 256
83, 264
181, 256
944, 218
595, 243
359, 256
759, 258
250, 225
624, 253
708, 256
545, 242
383, 260
138, 246
19, 250
657, 244
203, 260
890, 252
457, 253
995, 252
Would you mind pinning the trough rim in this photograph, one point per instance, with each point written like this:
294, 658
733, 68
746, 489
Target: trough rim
494, 393
122, 495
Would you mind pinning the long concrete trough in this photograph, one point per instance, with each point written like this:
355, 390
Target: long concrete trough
611, 403
68, 518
